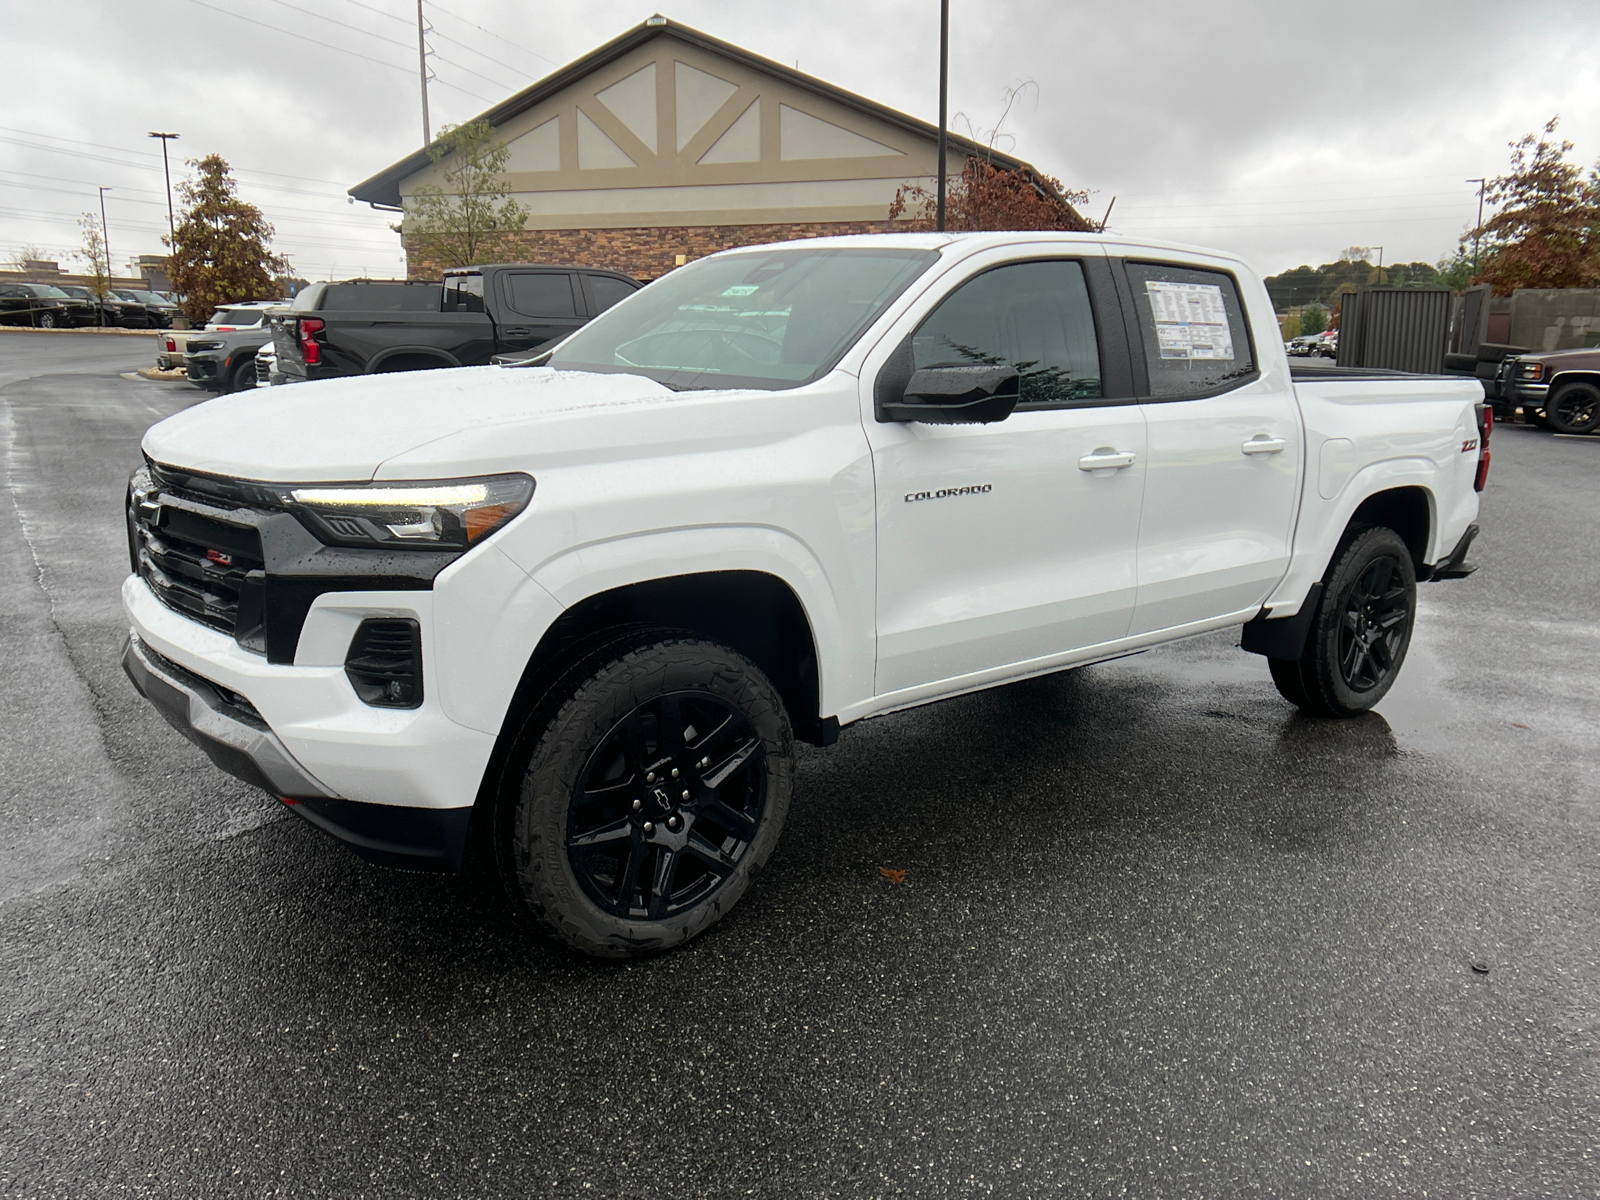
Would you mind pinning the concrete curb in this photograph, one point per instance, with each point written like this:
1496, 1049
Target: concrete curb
94, 331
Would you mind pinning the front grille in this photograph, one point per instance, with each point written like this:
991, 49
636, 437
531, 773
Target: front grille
196, 561
384, 664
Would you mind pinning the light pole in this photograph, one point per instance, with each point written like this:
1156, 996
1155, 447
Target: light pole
1482, 183
944, 100
166, 169
422, 67
105, 235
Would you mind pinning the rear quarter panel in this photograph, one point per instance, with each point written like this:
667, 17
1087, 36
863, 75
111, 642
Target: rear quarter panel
1365, 436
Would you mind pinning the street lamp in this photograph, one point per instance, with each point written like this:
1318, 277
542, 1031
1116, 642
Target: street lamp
105, 235
167, 170
944, 100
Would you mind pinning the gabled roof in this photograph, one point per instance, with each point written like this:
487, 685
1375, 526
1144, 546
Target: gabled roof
384, 187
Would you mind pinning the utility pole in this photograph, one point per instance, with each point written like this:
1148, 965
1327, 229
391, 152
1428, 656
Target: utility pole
172, 229
105, 235
944, 102
1379, 249
422, 69
1482, 183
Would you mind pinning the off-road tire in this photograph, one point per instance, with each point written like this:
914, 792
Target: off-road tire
243, 376
1321, 682
1574, 409
594, 696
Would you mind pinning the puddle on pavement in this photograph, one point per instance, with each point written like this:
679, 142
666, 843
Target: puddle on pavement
1419, 708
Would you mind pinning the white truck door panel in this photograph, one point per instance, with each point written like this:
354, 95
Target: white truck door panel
1218, 510
1039, 561
1223, 463
1002, 543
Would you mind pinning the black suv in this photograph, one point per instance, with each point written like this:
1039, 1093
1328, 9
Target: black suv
43, 306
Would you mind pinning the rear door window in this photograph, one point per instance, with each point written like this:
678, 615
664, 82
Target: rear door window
540, 294
1192, 327
606, 290
1034, 316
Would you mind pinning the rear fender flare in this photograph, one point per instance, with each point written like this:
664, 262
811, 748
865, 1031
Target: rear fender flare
445, 359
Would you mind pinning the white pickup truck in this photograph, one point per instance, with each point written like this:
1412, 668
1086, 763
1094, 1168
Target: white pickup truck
586, 607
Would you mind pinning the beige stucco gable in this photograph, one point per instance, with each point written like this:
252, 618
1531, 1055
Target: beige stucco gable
673, 133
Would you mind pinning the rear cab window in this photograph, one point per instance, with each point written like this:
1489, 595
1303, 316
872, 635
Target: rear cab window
1192, 329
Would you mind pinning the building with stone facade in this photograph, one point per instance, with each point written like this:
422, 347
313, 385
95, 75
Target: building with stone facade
666, 144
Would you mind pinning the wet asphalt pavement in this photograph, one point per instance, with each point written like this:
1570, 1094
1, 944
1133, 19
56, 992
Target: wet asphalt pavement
1158, 934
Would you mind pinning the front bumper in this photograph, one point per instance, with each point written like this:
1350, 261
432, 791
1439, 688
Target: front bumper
233, 735
376, 777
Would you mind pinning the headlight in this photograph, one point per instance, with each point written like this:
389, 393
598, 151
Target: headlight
428, 515
1532, 370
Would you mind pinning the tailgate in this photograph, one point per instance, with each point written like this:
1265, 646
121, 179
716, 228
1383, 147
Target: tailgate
286, 340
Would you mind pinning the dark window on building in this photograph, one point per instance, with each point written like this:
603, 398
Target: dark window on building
1192, 327
1033, 316
541, 294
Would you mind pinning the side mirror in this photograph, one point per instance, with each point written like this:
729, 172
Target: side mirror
975, 395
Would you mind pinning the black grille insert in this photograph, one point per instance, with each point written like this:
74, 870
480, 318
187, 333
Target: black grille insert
196, 561
384, 664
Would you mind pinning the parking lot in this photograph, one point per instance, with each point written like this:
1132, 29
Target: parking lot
1158, 934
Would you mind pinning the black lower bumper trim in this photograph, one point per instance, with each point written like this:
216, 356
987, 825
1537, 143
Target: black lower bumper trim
392, 835
1455, 565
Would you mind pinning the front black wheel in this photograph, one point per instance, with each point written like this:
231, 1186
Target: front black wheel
651, 800
1361, 631
47, 320
1574, 409
244, 376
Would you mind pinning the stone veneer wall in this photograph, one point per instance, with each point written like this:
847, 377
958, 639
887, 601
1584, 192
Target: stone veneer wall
646, 253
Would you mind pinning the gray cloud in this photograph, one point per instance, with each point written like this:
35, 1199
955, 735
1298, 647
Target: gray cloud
1282, 132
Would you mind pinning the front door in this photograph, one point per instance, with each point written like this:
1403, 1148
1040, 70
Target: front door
1004, 543
1224, 451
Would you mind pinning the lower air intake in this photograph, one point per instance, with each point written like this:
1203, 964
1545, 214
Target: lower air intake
385, 662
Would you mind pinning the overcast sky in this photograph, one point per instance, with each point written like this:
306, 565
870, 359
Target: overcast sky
1284, 132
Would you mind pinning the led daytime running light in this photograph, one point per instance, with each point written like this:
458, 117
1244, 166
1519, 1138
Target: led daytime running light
423, 497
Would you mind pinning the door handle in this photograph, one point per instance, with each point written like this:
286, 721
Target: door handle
1262, 444
517, 331
1106, 459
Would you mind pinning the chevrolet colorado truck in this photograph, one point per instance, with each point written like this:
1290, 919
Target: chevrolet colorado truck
585, 607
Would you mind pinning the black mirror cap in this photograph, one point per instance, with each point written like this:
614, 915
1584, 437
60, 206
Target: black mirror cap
958, 395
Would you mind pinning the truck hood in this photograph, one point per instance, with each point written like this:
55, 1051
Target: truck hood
346, 429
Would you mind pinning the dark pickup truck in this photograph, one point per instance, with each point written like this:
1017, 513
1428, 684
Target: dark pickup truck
360, 327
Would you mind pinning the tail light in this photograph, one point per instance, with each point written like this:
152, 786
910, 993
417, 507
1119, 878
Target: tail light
310, 348
1485, 428
172, 346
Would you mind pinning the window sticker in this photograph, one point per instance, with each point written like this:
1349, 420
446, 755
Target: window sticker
1191, 320
743, 289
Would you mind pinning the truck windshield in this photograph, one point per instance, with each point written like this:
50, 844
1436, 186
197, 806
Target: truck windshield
758, 319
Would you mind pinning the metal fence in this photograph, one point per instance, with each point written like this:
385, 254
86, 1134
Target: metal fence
1401, 329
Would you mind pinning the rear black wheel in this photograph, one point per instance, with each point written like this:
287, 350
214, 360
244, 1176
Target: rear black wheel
652, 798
1361, 631
1574, 409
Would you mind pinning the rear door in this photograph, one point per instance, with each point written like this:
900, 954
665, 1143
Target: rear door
1015, 541
538, 307
1224, 446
